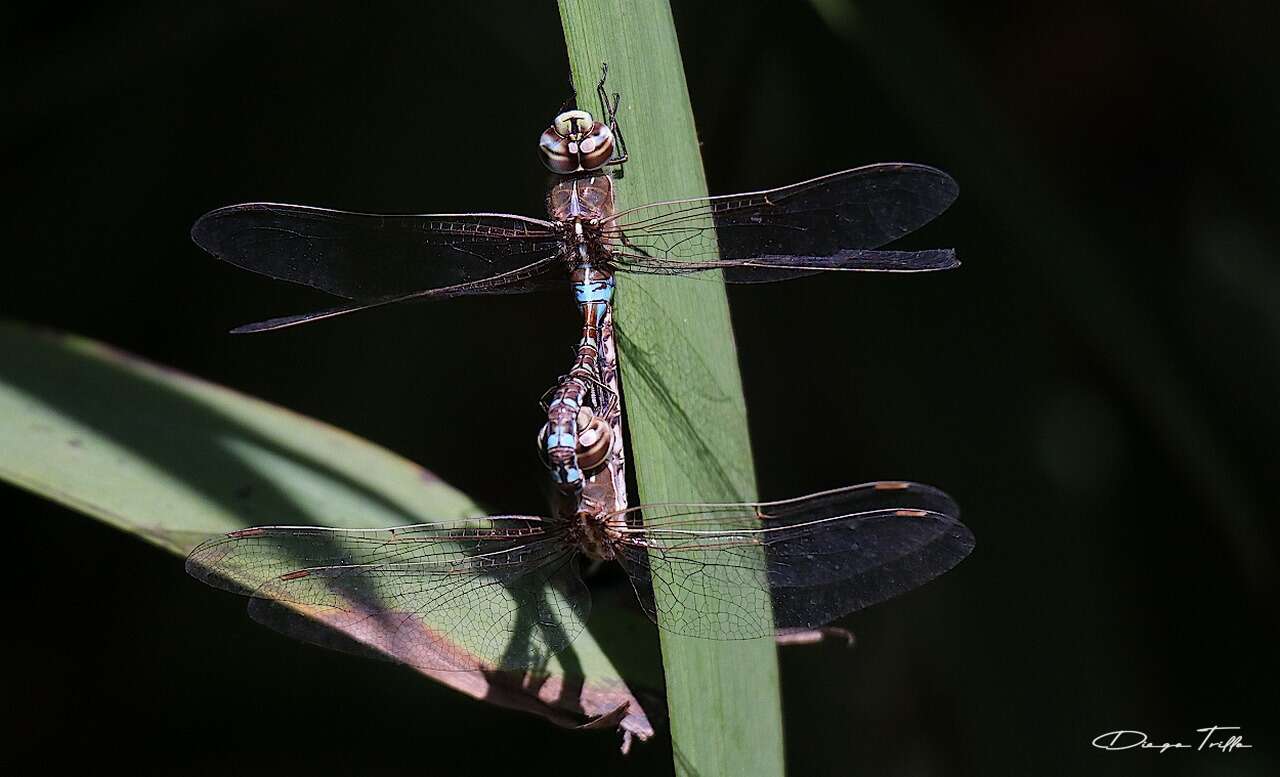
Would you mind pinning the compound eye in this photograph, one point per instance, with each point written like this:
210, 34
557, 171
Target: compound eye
596, 148
556, 153
572, 123
595, 441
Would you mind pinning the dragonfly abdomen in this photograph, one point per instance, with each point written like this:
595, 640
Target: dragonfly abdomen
576, 438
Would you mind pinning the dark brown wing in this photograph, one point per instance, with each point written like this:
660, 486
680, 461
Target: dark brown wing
835, 222
375, 259
743, 571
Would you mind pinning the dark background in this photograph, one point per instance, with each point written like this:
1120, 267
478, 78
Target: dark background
1096, 385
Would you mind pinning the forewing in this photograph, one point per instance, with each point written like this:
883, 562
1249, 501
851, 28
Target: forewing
369, 257
811, 560
830, 223
496, 593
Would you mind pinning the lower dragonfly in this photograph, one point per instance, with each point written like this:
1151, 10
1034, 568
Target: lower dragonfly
504, 592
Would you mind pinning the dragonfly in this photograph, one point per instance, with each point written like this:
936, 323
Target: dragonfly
835, 222
506, 592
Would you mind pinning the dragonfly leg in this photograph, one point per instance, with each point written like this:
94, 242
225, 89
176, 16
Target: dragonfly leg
609, 115
606, 114
603, 398
622, 238
545, 400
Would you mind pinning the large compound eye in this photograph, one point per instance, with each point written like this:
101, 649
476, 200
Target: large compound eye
595, 441
556, 153
572, 123
596, 148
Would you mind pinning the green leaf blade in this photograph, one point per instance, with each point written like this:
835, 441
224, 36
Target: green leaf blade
174, 459
686, 414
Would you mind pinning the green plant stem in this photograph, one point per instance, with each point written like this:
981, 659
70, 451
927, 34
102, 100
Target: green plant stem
685, 411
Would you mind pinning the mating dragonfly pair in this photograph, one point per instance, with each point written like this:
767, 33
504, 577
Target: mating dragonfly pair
505, 592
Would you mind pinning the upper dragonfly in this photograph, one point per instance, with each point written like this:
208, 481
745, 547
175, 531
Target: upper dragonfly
836, 222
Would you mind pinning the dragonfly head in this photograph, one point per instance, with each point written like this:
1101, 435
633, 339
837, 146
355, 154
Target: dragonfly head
575, 143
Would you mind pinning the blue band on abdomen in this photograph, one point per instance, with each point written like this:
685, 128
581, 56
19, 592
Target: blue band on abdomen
594, 291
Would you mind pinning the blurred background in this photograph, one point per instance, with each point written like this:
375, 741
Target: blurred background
1096, 385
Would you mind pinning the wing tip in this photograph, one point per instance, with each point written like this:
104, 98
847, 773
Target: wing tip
202, 231
248, 329
284, 322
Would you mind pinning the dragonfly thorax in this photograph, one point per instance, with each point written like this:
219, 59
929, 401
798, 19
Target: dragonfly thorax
593, 535
576, 143
588, 199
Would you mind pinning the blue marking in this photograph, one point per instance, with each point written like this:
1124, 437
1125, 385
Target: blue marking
594, 294
593, 291
573, 475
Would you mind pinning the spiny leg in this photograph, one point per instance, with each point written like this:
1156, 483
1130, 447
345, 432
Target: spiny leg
609, 115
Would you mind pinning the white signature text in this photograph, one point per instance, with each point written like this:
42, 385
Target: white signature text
1218, 738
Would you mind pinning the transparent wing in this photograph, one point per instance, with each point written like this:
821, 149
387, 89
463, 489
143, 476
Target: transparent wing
721, 569
375, 259
830, 223
492, 593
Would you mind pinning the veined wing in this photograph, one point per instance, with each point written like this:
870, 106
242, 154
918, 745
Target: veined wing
722, 568
491, 593
375, 259
830, 223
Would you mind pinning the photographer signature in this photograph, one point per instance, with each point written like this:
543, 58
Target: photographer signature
1215, 738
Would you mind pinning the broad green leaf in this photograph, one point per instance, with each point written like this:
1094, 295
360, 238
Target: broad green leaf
174, 459
683, 393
